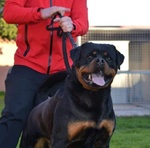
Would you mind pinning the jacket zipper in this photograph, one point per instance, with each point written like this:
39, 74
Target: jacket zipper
51, 46
26, 41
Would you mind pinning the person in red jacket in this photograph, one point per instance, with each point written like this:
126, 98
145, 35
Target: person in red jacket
38, 55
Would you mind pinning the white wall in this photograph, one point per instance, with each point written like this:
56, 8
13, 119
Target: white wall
119, 12
8, 49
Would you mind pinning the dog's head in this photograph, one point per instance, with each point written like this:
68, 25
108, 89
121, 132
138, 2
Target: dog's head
96, 64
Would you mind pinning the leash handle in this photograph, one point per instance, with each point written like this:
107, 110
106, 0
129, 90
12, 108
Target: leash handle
68, 34
64, 36
60, 32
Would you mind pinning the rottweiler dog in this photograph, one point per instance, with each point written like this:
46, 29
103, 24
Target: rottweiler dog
80, 114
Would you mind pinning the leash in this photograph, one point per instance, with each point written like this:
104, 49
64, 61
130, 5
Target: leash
64, 36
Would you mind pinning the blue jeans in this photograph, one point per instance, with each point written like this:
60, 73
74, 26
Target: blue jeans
21, 84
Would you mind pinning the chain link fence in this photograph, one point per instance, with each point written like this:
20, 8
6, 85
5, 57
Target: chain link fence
132, 84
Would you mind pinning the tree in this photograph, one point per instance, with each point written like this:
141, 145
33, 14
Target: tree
8, 31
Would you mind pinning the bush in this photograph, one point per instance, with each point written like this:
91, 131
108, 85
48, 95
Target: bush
8, 31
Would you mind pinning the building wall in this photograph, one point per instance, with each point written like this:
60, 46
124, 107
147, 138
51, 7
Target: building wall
3, 73
132, 83
7, 50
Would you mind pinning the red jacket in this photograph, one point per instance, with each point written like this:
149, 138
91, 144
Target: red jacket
34, 41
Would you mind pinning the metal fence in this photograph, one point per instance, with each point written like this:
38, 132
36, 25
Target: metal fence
132, 87
132, 84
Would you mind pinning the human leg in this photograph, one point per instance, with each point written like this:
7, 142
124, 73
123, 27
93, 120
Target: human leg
21, 86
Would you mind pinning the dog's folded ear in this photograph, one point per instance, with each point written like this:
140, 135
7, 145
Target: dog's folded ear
119, 57
75, 54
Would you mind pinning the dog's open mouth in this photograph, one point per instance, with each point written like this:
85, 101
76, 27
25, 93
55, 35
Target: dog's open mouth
96, 78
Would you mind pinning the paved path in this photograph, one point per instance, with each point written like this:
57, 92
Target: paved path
131, 110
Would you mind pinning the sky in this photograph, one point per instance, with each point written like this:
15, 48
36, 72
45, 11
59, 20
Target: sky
119, 12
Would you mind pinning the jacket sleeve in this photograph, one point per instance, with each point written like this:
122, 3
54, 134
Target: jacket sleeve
15, 12
79, 15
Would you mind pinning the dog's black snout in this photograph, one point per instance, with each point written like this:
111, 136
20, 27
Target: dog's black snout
100, 61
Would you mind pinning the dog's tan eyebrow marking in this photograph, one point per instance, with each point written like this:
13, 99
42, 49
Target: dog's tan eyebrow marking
108, 125
94, 52
105, 53
74, 128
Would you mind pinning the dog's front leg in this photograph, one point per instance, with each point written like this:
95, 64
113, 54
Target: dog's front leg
59, 137
59, 143
102, 144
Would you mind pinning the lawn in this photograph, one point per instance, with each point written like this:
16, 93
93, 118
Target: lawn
1, 101
131, 132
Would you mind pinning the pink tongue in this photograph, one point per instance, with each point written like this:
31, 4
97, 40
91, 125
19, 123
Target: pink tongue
98, 79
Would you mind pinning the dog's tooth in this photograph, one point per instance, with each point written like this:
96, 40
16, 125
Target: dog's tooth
90, 77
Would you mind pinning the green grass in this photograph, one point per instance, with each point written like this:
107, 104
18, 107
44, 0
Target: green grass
1, 101
131, 132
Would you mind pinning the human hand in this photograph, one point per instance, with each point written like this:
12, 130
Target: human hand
49, 12
65, 23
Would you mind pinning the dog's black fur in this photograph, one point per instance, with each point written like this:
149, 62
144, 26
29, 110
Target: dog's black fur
80, 114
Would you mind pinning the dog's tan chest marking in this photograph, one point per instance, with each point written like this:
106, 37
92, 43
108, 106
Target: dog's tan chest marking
77, 127
41, 142
108, 125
